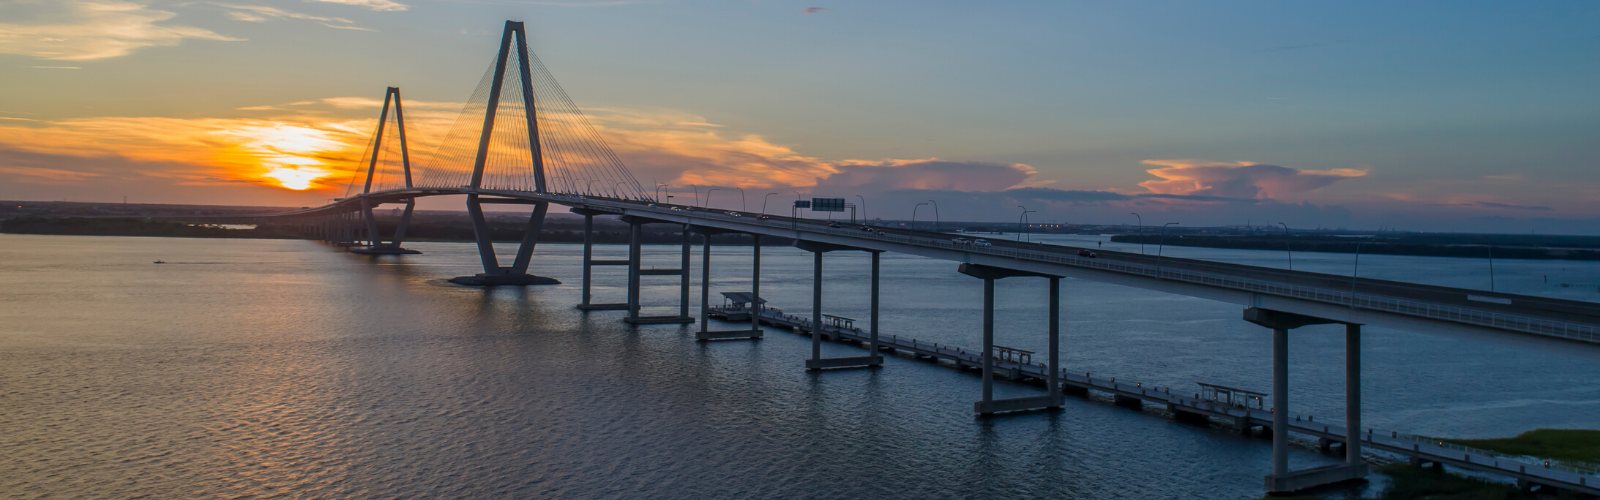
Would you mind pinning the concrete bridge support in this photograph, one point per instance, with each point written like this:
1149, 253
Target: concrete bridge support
636, 273
493, 273
1052, 398
705, 333
587, 298
817, 362
375, 244
1282, 480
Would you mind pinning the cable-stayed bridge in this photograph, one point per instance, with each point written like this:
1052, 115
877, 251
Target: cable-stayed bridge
521, 140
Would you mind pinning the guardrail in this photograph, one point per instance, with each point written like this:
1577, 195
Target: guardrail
1479, 317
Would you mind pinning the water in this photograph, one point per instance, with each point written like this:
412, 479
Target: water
283, 369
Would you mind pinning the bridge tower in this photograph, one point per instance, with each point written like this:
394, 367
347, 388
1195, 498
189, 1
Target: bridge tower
513, 37
375, 244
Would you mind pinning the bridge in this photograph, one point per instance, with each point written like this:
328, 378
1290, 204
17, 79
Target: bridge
521, 140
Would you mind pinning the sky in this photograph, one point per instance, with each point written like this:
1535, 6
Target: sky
1435, 116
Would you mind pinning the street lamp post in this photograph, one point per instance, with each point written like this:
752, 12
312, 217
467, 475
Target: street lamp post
914, 215
935, 215
1021, 219
591, 186
1353, 273
658, 190
1141, 233
764, 203
708, 198
1161, 246
863, 207
1286, 248
696, 194
743, 207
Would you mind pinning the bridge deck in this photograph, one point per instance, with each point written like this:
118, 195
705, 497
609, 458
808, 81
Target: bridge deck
1414, 447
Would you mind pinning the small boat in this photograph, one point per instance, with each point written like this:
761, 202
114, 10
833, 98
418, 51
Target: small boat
160, 262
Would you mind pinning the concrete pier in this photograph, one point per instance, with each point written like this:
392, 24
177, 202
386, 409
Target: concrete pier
1236, 415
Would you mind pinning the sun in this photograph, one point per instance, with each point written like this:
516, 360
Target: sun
291, 155
296, 178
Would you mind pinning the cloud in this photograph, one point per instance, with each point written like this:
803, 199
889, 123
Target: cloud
1239, 179
815, 10
1494, 205
377, 5
55, 67
46, 175
89, 30
260, 13
931, 173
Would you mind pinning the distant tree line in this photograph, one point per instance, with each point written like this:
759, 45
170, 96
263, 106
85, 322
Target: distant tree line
1468, 246
653, 234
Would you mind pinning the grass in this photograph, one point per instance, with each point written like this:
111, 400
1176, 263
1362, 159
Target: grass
1561, 444
1424, 483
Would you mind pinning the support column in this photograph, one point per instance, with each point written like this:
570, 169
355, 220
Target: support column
588, 257
988, 341
635, 234
816, 306
1352, 394
1282, 480
1055, 342
873, 316
1280, 402
755, 286
683, 292
705, 280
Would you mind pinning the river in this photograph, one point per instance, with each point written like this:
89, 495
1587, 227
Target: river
274, 368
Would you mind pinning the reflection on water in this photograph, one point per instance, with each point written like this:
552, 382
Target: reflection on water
267, 368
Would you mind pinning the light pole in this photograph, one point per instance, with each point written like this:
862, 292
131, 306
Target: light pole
863, 207
696, 194
708, 198
1286, 245
1141, 233
1161, 246
591, 186
914, 215
764, 203
742, 206
935, 215
1020, 220
1353, 273
658, 190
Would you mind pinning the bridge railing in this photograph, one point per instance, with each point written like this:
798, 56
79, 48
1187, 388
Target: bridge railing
1493, 319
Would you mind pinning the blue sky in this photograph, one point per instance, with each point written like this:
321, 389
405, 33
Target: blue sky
1423, 115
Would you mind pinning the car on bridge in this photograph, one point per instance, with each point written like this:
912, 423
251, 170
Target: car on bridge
982, 242
961, 241
1084, 252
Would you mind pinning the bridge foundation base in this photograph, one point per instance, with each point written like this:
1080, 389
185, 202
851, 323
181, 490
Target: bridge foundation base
1016, 404
659, 320
850, 362
603, 307
504, 280
729, 335
1315, 476
384, 251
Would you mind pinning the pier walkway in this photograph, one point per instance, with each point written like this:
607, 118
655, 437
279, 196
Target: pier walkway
1529, 472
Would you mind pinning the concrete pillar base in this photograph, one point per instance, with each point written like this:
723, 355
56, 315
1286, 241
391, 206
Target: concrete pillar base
729, 335
603, 307
659, 320
504, 280
1016, 404
1130, 402
384, 250
851, 362
1315, 476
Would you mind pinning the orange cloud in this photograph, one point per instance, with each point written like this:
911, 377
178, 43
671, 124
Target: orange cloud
1239, 179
